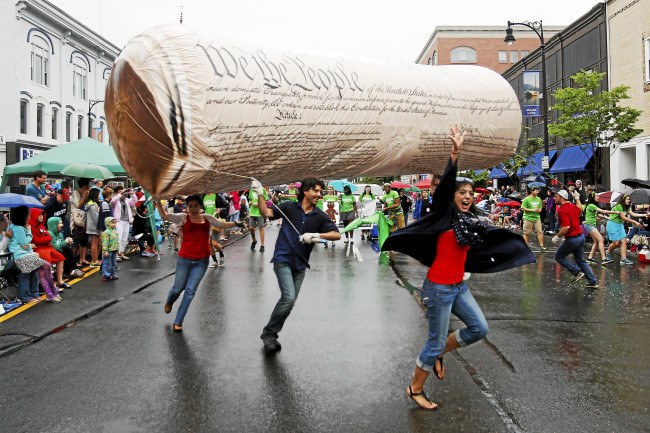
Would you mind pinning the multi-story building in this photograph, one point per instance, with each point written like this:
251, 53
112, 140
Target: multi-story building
53, 68
580, 46
480, 46
628, 23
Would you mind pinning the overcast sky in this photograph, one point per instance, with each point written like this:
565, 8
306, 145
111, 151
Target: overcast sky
394, 30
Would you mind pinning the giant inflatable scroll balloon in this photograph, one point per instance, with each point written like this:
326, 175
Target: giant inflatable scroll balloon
190, 112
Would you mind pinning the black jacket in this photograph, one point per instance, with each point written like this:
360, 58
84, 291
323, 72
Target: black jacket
501, 249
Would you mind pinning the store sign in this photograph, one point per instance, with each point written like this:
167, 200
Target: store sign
25, 153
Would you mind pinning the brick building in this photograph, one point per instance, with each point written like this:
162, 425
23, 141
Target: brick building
480, 45
629, 54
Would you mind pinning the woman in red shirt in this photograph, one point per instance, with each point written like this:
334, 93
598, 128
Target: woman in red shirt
194, 255
452, 240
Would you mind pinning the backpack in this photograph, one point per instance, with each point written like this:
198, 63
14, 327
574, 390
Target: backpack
79, 217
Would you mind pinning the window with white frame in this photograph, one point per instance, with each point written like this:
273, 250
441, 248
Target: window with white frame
39, 119
647, 60
503, 56
514, 56
79, 81
55, 123
80, 126
463, 55
68, 126
524, 53
24, 112
40, 62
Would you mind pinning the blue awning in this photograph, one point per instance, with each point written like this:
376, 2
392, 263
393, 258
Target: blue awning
498, 173
536, 166
574, 158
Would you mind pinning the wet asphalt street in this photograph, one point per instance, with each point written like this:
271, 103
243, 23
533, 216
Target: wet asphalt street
557, 358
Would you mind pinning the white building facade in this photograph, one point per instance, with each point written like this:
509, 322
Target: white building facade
54, 71
628, 23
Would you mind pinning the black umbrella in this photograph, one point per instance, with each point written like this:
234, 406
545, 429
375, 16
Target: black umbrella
640, 196
636, 183
516, 196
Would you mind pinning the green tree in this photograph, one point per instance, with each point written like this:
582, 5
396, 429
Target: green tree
479, 177
522, 157
594, 117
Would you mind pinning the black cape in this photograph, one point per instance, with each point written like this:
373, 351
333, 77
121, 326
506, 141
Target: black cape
501, 249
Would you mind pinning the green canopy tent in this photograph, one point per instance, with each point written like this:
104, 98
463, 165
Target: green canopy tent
83, 151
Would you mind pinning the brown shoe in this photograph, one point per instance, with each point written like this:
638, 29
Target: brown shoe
168, 308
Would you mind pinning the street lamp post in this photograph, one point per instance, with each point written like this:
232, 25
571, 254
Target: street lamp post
537, 27
91, 104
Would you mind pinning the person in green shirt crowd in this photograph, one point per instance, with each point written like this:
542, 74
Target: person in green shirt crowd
591, 228
330, 197
255, 219
292, 193
532, 208
393, 207
210, 203
348, 211
616, 229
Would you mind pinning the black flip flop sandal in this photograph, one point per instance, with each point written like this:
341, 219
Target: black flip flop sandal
412, 394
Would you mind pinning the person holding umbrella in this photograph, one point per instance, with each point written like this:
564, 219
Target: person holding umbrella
451, 242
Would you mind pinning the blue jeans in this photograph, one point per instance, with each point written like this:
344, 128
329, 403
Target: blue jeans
109, 264
290, 281
28, 286
188, 277
441, 300
575, 246
637, 231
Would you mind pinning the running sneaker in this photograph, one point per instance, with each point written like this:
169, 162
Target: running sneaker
214, 265
578, 276
607, 260
626, 261
125, 257
543, 249
54, 300
592, 261
609, 257
591, 286
222, 261
95, 264
262, 249
253, 245
119, 259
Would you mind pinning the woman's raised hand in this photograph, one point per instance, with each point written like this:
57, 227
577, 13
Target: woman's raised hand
457, 137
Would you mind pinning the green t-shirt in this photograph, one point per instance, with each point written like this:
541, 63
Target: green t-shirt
616, 218
347, 203
330, 198
531, 202
591, 212
294, 192
254, 209
366, 198
320, 204
389, 199
210, 203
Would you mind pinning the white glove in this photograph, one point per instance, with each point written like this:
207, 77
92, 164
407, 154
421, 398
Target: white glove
555, 239
310, 238
257, 186
466, 276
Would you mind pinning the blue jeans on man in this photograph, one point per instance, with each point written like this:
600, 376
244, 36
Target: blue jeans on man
289, 281
575, 246
189, 274
441, 300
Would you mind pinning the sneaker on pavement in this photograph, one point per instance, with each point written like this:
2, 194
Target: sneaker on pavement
262, 249
578, 276
214, 265
119, 259
253, 245
626, 262
271, 345
591, 286
592, 261
608, 257
606, 260
222, 261
543, 248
